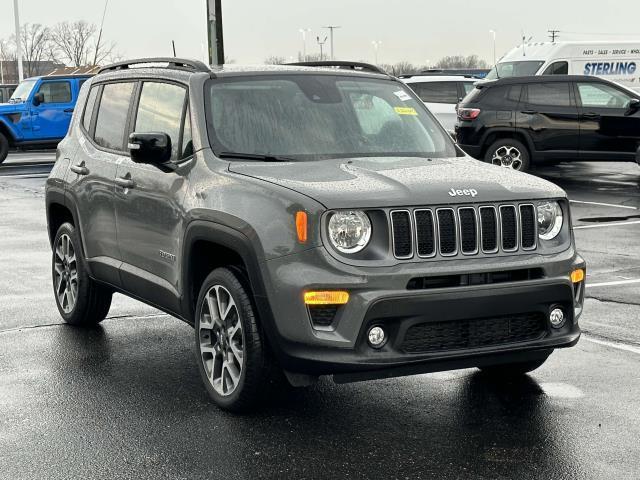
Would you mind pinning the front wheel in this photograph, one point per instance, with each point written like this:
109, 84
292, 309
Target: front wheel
508, 153
231, 352
511, 370
4, 148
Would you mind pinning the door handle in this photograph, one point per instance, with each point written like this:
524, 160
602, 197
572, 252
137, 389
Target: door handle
529, 112
125, 182
590, 115
68, 110
80, 169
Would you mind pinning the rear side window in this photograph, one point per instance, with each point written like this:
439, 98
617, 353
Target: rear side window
504, 97
88, 109
467, 87
112, 115
557, 68
436, 92
552, 94
160, 110
56, 92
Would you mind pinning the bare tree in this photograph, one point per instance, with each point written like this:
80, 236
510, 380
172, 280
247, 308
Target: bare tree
35, 40
460, 61
275, 60
73, 42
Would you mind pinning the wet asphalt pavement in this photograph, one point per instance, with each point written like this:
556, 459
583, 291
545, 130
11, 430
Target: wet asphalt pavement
124, 400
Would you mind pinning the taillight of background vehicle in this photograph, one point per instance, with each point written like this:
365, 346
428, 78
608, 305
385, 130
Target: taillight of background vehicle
468, 113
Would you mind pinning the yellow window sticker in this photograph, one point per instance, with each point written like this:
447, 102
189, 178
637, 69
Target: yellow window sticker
405, 111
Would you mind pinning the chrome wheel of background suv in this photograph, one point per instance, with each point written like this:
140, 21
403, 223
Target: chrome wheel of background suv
221, 340
65, 273
508, 157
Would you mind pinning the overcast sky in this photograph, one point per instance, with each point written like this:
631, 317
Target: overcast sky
413, 30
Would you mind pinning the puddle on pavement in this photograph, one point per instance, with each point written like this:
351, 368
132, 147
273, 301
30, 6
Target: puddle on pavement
561, 390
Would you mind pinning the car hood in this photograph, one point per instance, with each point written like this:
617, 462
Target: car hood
406, 181
11, 108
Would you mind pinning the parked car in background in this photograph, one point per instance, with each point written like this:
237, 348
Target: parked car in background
516, 122
38, 112
5, 91
616, 61
441, 94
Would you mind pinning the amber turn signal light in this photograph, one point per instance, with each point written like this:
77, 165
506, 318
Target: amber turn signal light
301, 226
332, 297
577, 275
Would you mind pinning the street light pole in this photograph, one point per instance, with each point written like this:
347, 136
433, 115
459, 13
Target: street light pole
494, 45
321, 43
331, 29
214, 32
304, 31
376, 44
16, 16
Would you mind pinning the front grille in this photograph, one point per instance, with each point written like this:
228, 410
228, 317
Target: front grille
464, 230
465, 334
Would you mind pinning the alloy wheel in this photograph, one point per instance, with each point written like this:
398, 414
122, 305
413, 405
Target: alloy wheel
221, 340
507, 157
65, 273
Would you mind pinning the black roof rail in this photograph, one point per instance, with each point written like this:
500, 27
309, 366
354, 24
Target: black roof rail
345, 65
172, 62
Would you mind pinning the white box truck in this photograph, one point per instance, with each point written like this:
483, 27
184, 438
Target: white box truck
615, 61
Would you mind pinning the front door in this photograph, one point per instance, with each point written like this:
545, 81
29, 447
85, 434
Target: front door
550, 117
149, 201
609, 130
50, 119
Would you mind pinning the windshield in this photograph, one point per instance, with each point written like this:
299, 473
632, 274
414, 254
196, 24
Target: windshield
23, 90
314, 117
515, 69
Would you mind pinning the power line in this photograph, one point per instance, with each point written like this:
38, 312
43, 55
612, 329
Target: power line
553, 34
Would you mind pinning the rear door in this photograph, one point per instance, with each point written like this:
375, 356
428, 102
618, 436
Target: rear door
149, 198
608, 129
549, 116
50, 119
441, 99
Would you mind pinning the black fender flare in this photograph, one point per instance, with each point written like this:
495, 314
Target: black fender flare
7, 132
511, 131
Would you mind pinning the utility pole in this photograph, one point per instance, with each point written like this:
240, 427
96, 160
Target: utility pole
331, 29
553, 34
376, 44
493, 32
304, 32
104, 12
214, 32
321, 43
16, 16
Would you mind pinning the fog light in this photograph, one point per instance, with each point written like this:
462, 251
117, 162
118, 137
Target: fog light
556, 318
376, 337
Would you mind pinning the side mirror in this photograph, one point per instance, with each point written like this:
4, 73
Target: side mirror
38, 98
634, 105
152, 147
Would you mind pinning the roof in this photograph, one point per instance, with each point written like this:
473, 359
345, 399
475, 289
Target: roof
543, 50
87, 70
60, 76
437, 78
540, 79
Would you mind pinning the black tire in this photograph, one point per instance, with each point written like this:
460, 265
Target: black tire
511, 370
524, 162
92, 300
4, 148
257, 367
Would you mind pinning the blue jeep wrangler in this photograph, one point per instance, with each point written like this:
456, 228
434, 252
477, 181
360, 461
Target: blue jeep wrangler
38, 112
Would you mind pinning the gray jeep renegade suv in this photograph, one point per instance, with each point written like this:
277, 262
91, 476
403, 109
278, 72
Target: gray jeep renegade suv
311, 221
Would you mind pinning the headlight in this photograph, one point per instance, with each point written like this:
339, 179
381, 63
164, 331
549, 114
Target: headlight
549, 220
349, 230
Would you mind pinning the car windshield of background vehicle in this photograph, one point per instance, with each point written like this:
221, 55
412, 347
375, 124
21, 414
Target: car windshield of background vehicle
315, 117
514, 69
23, 91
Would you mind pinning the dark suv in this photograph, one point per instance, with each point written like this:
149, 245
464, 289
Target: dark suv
311, 221
516, 122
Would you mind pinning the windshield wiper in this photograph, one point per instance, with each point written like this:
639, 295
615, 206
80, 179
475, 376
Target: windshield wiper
255, 156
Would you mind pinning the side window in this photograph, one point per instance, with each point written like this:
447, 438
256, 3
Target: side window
552, 94
88, 108
160, 110
557, 68
187, 141
56, 92
467, 87
112, 115
436, 92
505, 97
598, 95
81, 82
1, 95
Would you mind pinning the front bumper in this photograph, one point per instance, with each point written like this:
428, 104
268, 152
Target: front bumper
379, 296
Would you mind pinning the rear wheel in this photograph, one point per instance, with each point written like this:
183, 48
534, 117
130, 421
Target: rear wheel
4, 147
513, 369
80, 300
232, 355
508, 153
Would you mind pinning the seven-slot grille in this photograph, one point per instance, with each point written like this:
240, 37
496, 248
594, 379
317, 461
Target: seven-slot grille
465, 230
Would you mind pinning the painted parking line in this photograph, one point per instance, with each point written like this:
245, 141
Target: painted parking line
612, 283
610, 224
600, 204
611, 344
